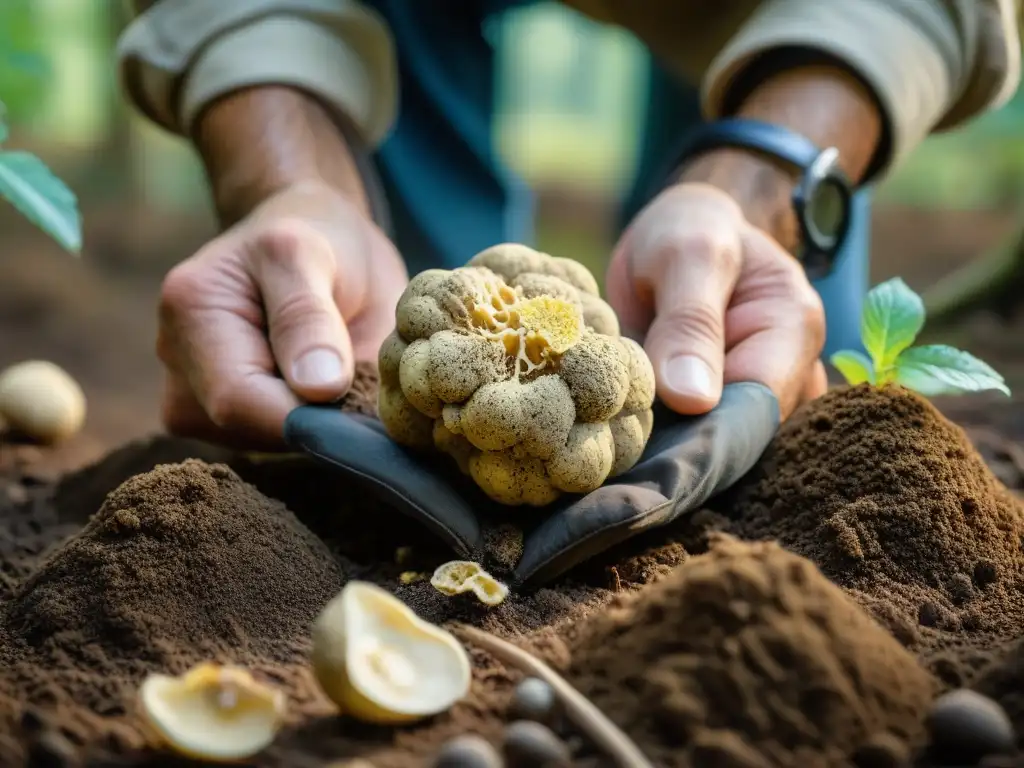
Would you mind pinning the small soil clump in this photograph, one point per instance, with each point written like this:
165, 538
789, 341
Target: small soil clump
747, 655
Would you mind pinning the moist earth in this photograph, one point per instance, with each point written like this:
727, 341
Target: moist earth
872, 560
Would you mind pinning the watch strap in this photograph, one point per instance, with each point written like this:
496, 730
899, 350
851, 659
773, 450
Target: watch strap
744, 133
814, 163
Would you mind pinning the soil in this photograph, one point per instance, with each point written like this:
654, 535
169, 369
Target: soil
812, 615
871, 561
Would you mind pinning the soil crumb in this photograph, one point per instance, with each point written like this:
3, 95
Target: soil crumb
891, 501
748, 656
362, 397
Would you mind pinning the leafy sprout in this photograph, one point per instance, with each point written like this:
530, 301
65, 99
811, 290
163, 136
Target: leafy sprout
893, 317
29, 185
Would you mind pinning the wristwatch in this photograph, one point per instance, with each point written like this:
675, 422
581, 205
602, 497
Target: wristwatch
822, 199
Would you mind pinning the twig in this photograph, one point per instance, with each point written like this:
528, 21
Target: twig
580, 710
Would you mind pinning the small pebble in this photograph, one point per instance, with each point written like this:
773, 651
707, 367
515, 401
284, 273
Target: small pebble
533, 699
533, 745
986, 573
468, 751
966, 726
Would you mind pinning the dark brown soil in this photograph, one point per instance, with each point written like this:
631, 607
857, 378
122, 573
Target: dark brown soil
736, 654
893, 503
745, 651
747, 655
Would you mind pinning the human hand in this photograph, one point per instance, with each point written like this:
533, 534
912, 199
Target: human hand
720, 301
272, 313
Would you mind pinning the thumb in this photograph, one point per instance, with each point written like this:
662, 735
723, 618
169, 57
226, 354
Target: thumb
693, 281
296, 271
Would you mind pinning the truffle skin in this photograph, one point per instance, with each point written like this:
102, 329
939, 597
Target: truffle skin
514, 367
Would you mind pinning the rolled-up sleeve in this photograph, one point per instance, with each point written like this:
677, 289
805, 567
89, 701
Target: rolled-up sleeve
931, 63
177, 56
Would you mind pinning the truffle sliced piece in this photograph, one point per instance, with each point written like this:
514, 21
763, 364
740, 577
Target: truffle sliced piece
381, 663
212, 712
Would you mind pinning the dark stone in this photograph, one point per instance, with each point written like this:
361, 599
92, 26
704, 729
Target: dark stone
533, 745
468, 751
533, 699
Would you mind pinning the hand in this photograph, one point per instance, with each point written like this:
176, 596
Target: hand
272, 313
688, 461
720, 301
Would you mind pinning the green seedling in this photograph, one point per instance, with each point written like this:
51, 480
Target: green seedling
29, 185
893, 317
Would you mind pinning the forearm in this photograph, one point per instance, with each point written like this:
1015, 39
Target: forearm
258, 141
823, 102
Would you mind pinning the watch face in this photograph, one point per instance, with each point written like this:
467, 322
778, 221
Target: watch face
826, 211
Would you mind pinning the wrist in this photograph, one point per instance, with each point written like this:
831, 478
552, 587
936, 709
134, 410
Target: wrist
761, 186
260, 142
821, 101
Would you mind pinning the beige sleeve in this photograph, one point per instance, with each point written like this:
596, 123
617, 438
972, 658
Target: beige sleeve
177, 56
932, 63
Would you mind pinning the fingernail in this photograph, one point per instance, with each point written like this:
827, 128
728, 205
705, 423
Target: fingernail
318, 368
689, 375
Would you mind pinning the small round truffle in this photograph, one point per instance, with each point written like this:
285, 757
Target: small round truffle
41, 401
966, 726
532, 745
469, 751
533, 699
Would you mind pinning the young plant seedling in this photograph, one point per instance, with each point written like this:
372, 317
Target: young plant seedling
29, 185
893, 317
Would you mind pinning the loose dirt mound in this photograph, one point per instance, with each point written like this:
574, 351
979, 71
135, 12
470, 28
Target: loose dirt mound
892, 501
744, 655
182, 563
186, 558
749, 656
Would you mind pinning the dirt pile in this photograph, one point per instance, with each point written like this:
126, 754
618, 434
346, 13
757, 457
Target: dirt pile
748, 656
184, 557
892, 501
183, 563
744, 655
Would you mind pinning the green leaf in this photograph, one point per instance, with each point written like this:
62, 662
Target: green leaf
28, 63
893, 316
45, 200
938, 369
855, 366
3, 129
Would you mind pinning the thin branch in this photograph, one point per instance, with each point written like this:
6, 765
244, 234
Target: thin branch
580, 710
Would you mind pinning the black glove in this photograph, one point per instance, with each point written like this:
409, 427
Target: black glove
687, 461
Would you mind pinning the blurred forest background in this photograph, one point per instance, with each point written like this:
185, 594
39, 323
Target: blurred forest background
570, 93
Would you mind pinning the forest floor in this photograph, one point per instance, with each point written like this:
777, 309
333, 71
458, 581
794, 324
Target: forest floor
86, 610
